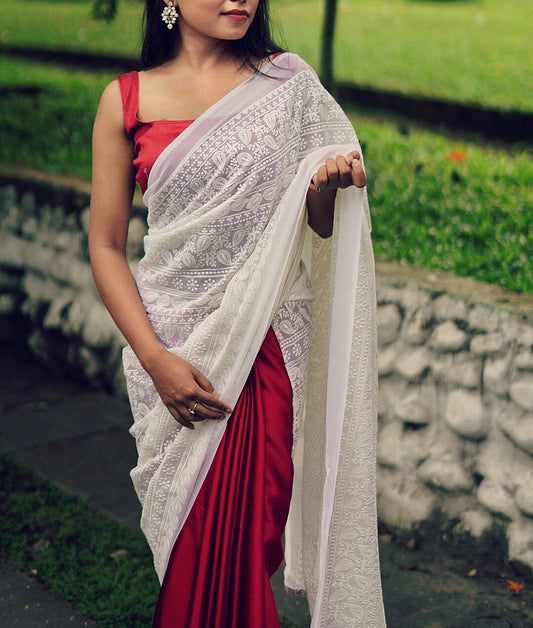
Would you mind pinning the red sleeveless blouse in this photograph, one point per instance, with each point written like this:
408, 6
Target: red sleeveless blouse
149, 138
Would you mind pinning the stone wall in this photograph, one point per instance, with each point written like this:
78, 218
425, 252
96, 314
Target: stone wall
455, 364
455, 412
46, 286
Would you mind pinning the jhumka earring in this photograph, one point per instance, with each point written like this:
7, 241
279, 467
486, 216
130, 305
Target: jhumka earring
169, 15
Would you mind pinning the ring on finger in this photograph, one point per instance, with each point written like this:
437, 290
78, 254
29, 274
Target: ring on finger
193, 409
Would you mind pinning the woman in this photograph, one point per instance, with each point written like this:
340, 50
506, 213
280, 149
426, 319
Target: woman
236, 147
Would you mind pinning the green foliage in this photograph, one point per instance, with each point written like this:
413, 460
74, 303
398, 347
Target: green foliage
450, 204
50, 131
102, 568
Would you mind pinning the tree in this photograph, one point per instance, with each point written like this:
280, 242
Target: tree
105, 9
328, 32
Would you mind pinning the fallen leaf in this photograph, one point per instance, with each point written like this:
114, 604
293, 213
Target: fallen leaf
40, 545
515, 587
119, 553
471, 573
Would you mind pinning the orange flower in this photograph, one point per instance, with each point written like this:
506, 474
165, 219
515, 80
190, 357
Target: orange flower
457, 155
515, 587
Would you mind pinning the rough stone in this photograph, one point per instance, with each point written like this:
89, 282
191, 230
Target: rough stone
463, 370
98, 327
412, 364
418, 405
387, 293
72, 323
70, 271
417, 329
518, 331
135, 243
518, 426
521, 392
402, 448
8, 303
30, 227
496, 499
57, 306
524, 361
386, 359
402, 501
388, 449
448, 337
524, 499
496, 375
38, 291
483, 318
84, 220
412, 298
13, 251
27, 203
445, 472
391, 390
90, 362
388, 320
487, 344
520, 540
500, 460
465, 414
475, 522
446, 307
453, 505
68, 242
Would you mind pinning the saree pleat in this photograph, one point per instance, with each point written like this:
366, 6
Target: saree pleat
220, 567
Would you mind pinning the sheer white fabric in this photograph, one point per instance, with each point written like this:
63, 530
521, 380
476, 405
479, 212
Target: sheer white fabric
224, 260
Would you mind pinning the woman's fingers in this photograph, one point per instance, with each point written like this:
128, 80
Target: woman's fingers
340, 172
321, 178
357, 172
182, 419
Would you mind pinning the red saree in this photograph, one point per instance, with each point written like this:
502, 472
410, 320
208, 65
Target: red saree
219, 572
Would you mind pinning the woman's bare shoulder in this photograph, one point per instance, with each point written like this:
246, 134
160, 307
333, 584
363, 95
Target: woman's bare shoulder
110, 107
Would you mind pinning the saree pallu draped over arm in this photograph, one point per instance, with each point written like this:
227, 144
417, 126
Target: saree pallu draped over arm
229, 254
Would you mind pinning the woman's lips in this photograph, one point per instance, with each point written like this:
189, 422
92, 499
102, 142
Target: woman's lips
238, 16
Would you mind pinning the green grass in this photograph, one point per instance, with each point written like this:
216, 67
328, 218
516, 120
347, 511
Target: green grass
51, 131
472, 217
449, 204
472, 51
103, 569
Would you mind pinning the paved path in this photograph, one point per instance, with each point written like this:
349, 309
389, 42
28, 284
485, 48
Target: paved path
78, 438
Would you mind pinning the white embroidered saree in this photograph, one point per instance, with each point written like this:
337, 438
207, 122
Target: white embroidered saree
227, 255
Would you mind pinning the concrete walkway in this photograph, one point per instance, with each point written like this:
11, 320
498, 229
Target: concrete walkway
78, 438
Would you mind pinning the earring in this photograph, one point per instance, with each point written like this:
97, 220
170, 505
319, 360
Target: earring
169, 15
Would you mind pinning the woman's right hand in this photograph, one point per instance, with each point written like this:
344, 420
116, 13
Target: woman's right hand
188, 395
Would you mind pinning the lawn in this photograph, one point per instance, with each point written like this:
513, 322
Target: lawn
471, 51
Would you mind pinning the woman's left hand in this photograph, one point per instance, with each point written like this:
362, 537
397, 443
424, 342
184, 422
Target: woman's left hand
340, 172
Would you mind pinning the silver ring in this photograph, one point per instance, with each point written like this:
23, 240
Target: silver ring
193, 409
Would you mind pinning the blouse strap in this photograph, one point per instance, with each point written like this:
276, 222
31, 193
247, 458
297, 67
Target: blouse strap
129, 90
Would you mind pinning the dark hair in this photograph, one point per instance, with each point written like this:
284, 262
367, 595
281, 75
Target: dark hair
161, 44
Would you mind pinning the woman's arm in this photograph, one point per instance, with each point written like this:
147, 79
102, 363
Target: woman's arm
178, 383
340, 172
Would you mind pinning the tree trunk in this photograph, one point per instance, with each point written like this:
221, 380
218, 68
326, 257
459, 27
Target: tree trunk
326, 61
